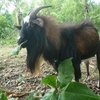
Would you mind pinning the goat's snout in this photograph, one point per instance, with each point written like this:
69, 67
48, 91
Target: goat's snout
19, 40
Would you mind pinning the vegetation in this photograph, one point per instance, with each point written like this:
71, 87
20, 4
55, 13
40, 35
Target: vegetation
70, 11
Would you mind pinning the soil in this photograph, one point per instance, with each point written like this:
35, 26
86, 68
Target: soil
18, 83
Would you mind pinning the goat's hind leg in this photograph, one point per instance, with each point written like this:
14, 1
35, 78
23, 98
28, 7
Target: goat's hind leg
87, 67
98, 64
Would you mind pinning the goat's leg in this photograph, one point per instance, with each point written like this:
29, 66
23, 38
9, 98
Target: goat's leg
77, 71
99, 81
98, 65
87, 67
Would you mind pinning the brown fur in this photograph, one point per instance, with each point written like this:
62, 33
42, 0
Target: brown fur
87, 39
52, 29
53, 34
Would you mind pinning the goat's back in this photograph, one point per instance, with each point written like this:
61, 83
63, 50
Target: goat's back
84, 35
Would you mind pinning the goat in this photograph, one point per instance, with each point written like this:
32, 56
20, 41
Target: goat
53, 42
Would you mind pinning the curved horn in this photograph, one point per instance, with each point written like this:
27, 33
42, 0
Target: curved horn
33, 13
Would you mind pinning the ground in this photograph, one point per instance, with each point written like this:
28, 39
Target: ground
19, 83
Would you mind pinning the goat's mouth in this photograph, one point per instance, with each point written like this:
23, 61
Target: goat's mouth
23, 44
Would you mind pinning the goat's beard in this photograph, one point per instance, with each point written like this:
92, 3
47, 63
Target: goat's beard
35, 55
34, 61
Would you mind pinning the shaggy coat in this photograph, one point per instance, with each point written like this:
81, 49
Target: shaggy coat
47, 40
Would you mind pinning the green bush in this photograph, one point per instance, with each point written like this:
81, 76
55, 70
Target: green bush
7, 31
10, 38
3, 24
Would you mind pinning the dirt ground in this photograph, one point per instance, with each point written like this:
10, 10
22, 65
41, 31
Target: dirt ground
19, 83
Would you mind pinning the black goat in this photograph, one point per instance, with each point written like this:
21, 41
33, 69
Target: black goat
47, 40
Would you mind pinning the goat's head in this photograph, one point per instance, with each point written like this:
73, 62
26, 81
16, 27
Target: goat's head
31, 24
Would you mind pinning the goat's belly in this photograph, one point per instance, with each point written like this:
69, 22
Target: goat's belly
88, 55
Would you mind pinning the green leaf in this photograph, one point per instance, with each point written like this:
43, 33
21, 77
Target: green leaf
54, 96
50, 80
0, 96
65, 72
4, 97
1, 90
16, 50
78, 91
31, 96
48, 95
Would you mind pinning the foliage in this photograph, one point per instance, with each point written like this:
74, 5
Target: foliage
94, 14
30, 97
72, 11
6, 27
17, 49
10, 37
3, 95
7, 20
3, 24
62, 88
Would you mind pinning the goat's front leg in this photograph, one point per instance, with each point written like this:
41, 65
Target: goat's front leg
77, 70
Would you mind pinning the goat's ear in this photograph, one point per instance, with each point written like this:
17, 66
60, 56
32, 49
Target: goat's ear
18, 27
39, 22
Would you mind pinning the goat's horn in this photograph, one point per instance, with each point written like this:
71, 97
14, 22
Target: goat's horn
33, 13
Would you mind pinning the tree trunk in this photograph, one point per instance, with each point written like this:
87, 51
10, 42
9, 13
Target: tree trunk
19, 17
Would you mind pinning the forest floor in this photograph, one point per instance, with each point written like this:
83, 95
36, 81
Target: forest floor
19, 83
